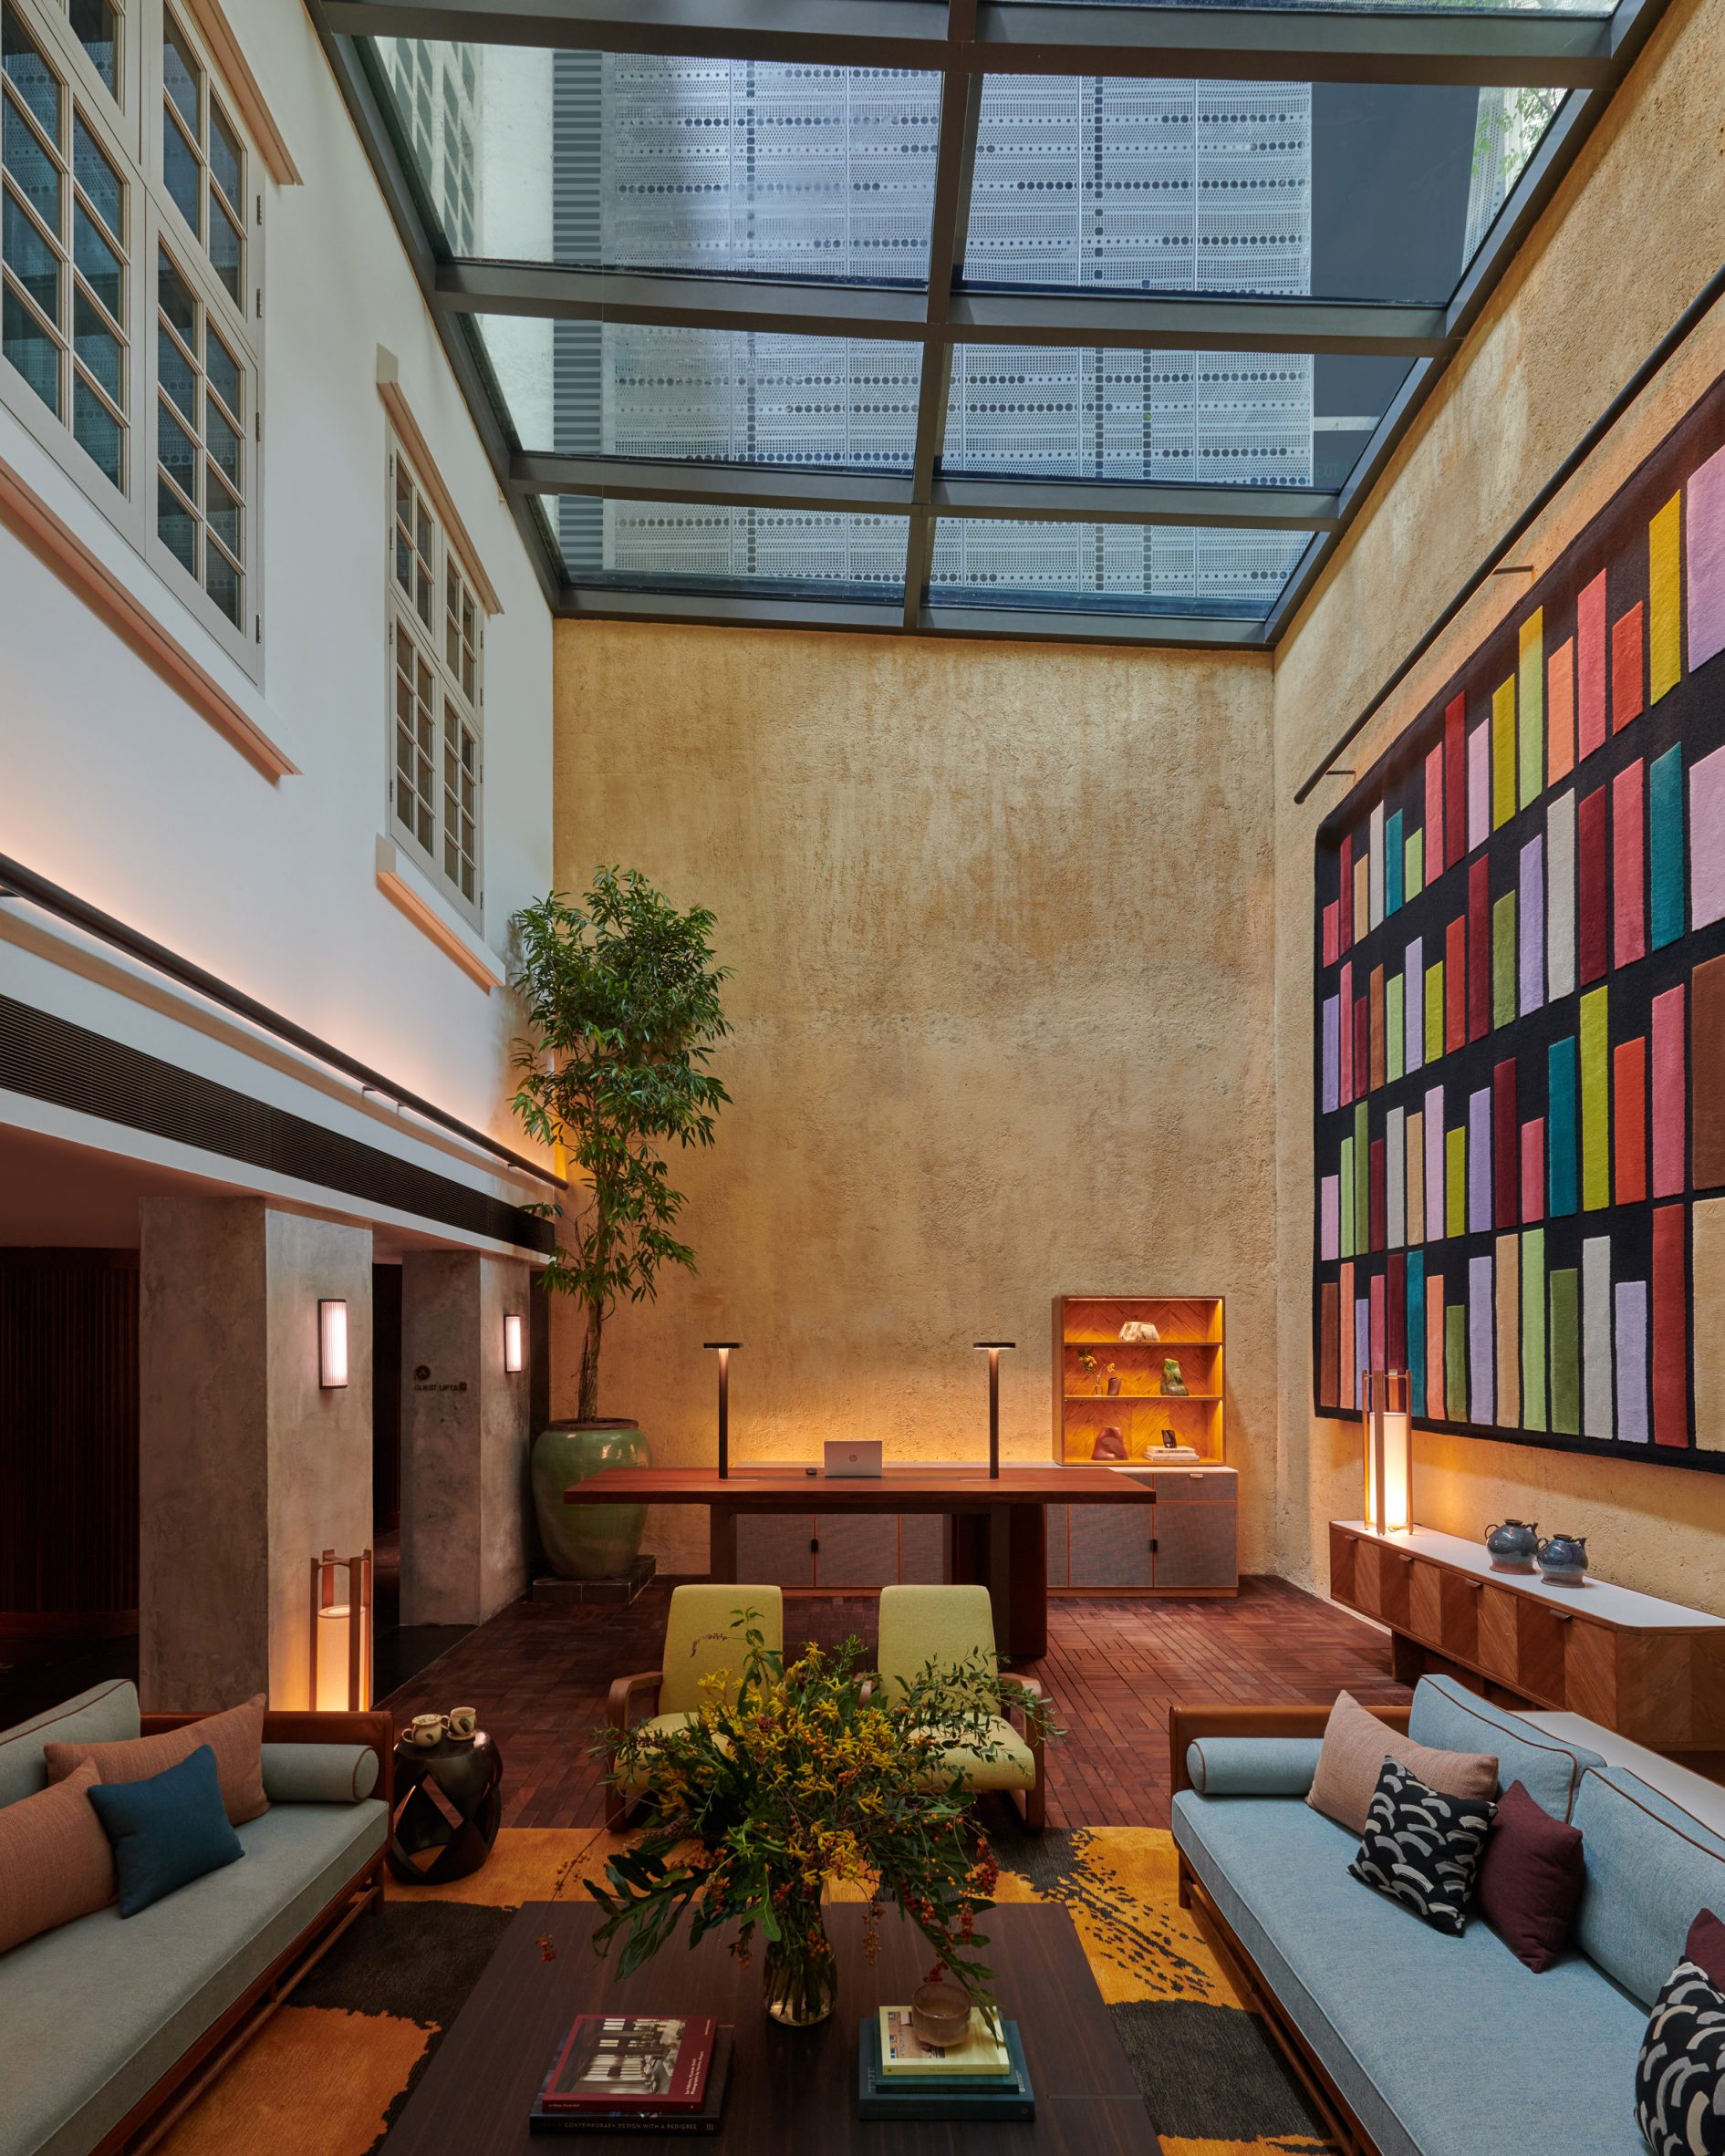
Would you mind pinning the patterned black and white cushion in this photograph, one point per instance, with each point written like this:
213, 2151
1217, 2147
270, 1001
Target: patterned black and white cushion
1681, 2075
1421, 1848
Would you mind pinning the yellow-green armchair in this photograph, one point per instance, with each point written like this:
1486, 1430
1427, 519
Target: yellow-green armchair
699, 1640
945, 1626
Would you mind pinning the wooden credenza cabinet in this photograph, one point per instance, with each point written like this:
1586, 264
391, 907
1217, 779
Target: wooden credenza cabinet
1652, 1670
1187, 1542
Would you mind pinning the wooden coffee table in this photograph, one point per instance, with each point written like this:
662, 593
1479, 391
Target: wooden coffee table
791, 2089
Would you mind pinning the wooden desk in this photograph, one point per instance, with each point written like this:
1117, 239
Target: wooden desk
792, 2089
1009, 1553
1654, 1671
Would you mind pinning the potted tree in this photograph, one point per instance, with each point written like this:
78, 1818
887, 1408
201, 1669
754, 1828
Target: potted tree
622, 1003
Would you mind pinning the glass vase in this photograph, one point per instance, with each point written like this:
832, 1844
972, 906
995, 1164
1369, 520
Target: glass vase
802, 1977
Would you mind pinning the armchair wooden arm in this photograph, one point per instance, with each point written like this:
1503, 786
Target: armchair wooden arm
1037, 1795
619, 1714
1185, 1723
287, 1725
625, 1690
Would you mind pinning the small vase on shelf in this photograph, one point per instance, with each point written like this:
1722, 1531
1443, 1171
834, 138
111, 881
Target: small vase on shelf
1173, 1383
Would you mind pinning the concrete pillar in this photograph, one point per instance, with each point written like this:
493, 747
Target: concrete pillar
465, 1430
247, 1467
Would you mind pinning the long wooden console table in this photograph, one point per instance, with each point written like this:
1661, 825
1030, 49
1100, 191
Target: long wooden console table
1009, 1553
1651, 1669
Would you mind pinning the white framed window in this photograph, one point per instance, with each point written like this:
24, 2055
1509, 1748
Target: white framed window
436, 633
130, 267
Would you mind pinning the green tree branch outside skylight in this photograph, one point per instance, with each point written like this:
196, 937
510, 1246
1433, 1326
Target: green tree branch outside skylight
622, 1001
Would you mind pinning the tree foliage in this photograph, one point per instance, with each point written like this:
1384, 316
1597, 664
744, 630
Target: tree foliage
622, 1001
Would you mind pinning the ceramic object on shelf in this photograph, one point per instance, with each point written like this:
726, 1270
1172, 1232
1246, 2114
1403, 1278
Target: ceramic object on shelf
1563, 1559
1109, 1444
1139, 1331
1173, 1383
1511, 1544
587, 1541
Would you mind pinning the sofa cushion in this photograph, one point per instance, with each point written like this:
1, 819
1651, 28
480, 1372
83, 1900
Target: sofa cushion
55, 1861
1449, 1716
1650, 1867
1681, 2075
1392, 2009
1252, 1766
1423, 1848
1357, 1744
236, 1737
1705, 1946
1531, 1878
93, 2014
320, 1774
104, 1714
167, 1830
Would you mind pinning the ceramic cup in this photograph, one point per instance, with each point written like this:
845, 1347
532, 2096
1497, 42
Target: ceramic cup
462, 1723
939, 2014
426, 1730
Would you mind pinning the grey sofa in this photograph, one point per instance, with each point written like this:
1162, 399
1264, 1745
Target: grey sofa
1408, 2042
104, 2023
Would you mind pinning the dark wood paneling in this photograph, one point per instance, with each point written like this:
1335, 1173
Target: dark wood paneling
386, 1398
68, 1432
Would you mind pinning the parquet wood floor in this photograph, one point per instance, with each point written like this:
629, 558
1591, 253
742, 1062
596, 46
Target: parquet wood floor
539, 1674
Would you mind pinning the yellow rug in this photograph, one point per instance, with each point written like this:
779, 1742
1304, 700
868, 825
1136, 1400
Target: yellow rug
328, 2072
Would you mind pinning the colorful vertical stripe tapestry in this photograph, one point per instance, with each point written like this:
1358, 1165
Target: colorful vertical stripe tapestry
1520, 1050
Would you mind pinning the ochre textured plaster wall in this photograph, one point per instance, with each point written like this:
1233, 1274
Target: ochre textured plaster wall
1630, 238
999, 923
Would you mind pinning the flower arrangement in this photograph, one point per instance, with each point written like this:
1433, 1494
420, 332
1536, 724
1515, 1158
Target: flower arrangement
793, 1774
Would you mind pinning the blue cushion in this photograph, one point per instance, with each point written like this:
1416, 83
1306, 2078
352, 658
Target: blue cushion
1453, 1720
1252, 1766
1439, 2044
1651, 1868
168, 1831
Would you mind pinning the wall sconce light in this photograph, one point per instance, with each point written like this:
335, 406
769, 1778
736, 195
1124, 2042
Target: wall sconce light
332, 1344
340, 1634
723, 1348
1390, 1453
992, 1349
512, 1340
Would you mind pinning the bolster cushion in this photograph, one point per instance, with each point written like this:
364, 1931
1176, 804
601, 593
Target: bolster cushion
320, 1774
1252, 1766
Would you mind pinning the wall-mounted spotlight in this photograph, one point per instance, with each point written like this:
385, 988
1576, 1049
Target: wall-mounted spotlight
332, 1344
512, 1340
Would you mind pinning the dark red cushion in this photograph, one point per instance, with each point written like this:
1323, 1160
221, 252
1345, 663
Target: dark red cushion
1706, 1948
1530, 1879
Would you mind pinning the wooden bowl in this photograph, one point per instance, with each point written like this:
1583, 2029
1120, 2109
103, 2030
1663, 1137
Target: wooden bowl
941, 2015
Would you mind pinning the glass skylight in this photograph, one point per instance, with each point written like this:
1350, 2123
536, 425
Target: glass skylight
789, 198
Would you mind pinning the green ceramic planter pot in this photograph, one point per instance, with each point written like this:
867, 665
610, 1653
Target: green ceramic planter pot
587, 1541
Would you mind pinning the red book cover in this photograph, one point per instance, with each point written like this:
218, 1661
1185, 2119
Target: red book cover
634, 2062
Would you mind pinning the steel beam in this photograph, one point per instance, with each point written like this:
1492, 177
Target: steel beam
1014, 37
1023, 624
1135, 501
1120, 320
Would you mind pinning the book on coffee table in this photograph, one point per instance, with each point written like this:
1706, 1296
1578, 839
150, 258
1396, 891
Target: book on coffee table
883, 2096
903, 2052
631, 2118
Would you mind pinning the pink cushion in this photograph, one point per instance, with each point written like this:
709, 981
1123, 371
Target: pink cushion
55, 1859
235, 1737
1357, 1744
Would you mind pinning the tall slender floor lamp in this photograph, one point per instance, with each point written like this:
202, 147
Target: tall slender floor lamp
724, 1348
992, 1349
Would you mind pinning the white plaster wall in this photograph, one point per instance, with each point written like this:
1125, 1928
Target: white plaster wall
115, 789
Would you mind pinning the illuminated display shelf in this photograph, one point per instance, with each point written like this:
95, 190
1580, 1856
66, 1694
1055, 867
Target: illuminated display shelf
1190, 1328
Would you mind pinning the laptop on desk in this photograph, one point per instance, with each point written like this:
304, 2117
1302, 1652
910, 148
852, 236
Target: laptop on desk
853, 1455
